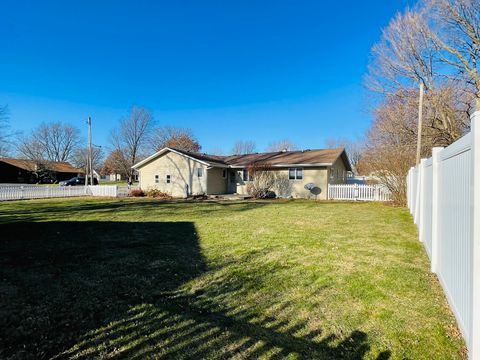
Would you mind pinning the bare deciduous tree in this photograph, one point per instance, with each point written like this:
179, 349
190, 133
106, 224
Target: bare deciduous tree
5, 134
179, 138
51, 142
132, 137
391, 145
80, 158
455, 31
244, 147
437, 44
115, 163
391, 140
404, 56
282, 145
353, 148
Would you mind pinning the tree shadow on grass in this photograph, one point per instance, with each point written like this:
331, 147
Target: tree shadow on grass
114, 289
64, 209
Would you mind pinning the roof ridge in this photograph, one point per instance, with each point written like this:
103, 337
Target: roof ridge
281, 152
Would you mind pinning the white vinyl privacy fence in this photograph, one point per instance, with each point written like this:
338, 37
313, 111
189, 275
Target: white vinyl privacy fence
443, 196
358, 192
16, 192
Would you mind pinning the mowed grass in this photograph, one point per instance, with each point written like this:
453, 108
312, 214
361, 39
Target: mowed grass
140, 278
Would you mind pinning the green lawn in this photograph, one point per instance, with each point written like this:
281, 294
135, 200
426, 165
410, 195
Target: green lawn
140, 278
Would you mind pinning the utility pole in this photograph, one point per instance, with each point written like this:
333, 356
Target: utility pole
89, 162
88, 153
419, 132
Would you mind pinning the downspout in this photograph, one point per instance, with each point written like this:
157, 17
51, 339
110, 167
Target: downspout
206, 179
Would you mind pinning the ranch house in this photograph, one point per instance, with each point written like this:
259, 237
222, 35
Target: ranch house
181, 173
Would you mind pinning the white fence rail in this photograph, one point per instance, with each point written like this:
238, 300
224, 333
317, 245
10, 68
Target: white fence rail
103, 190
444, 199
358, 192
12, 192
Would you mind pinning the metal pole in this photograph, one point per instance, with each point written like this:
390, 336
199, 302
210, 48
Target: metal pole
419, 132
90, 167
87, 167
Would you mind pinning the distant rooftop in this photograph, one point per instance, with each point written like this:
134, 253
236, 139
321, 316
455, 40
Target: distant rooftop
58, 166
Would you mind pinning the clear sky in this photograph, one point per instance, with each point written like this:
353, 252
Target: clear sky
229, 70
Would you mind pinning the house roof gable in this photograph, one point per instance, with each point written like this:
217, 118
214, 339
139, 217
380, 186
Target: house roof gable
192, 156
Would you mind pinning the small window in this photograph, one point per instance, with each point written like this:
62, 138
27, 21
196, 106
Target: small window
233, 177
247, 176
199, 172
168, 179
295, 173
299, 174
224, 173
157, 179
291, 174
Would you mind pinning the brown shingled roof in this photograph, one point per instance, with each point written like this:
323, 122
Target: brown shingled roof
204, 157
58, 166
301, 157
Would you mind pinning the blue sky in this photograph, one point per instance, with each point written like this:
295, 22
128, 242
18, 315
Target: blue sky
229, 70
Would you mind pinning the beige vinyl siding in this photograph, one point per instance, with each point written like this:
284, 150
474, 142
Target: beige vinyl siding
216, 183
182, 171
316, 175
337, 172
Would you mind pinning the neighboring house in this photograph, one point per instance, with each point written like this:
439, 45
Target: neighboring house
180, 173
29, 171
110, 177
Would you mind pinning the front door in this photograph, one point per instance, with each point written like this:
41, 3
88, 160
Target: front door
232, 181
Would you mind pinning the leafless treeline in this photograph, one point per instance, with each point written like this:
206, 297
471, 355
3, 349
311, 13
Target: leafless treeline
436, 43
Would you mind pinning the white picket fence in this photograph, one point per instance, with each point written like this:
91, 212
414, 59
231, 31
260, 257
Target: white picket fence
443, 195
12, 192
358, 192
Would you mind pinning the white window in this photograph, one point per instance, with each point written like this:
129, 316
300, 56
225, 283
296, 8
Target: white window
199, 172
168, 179
295, 173
291, 174
299, 173
157, 179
